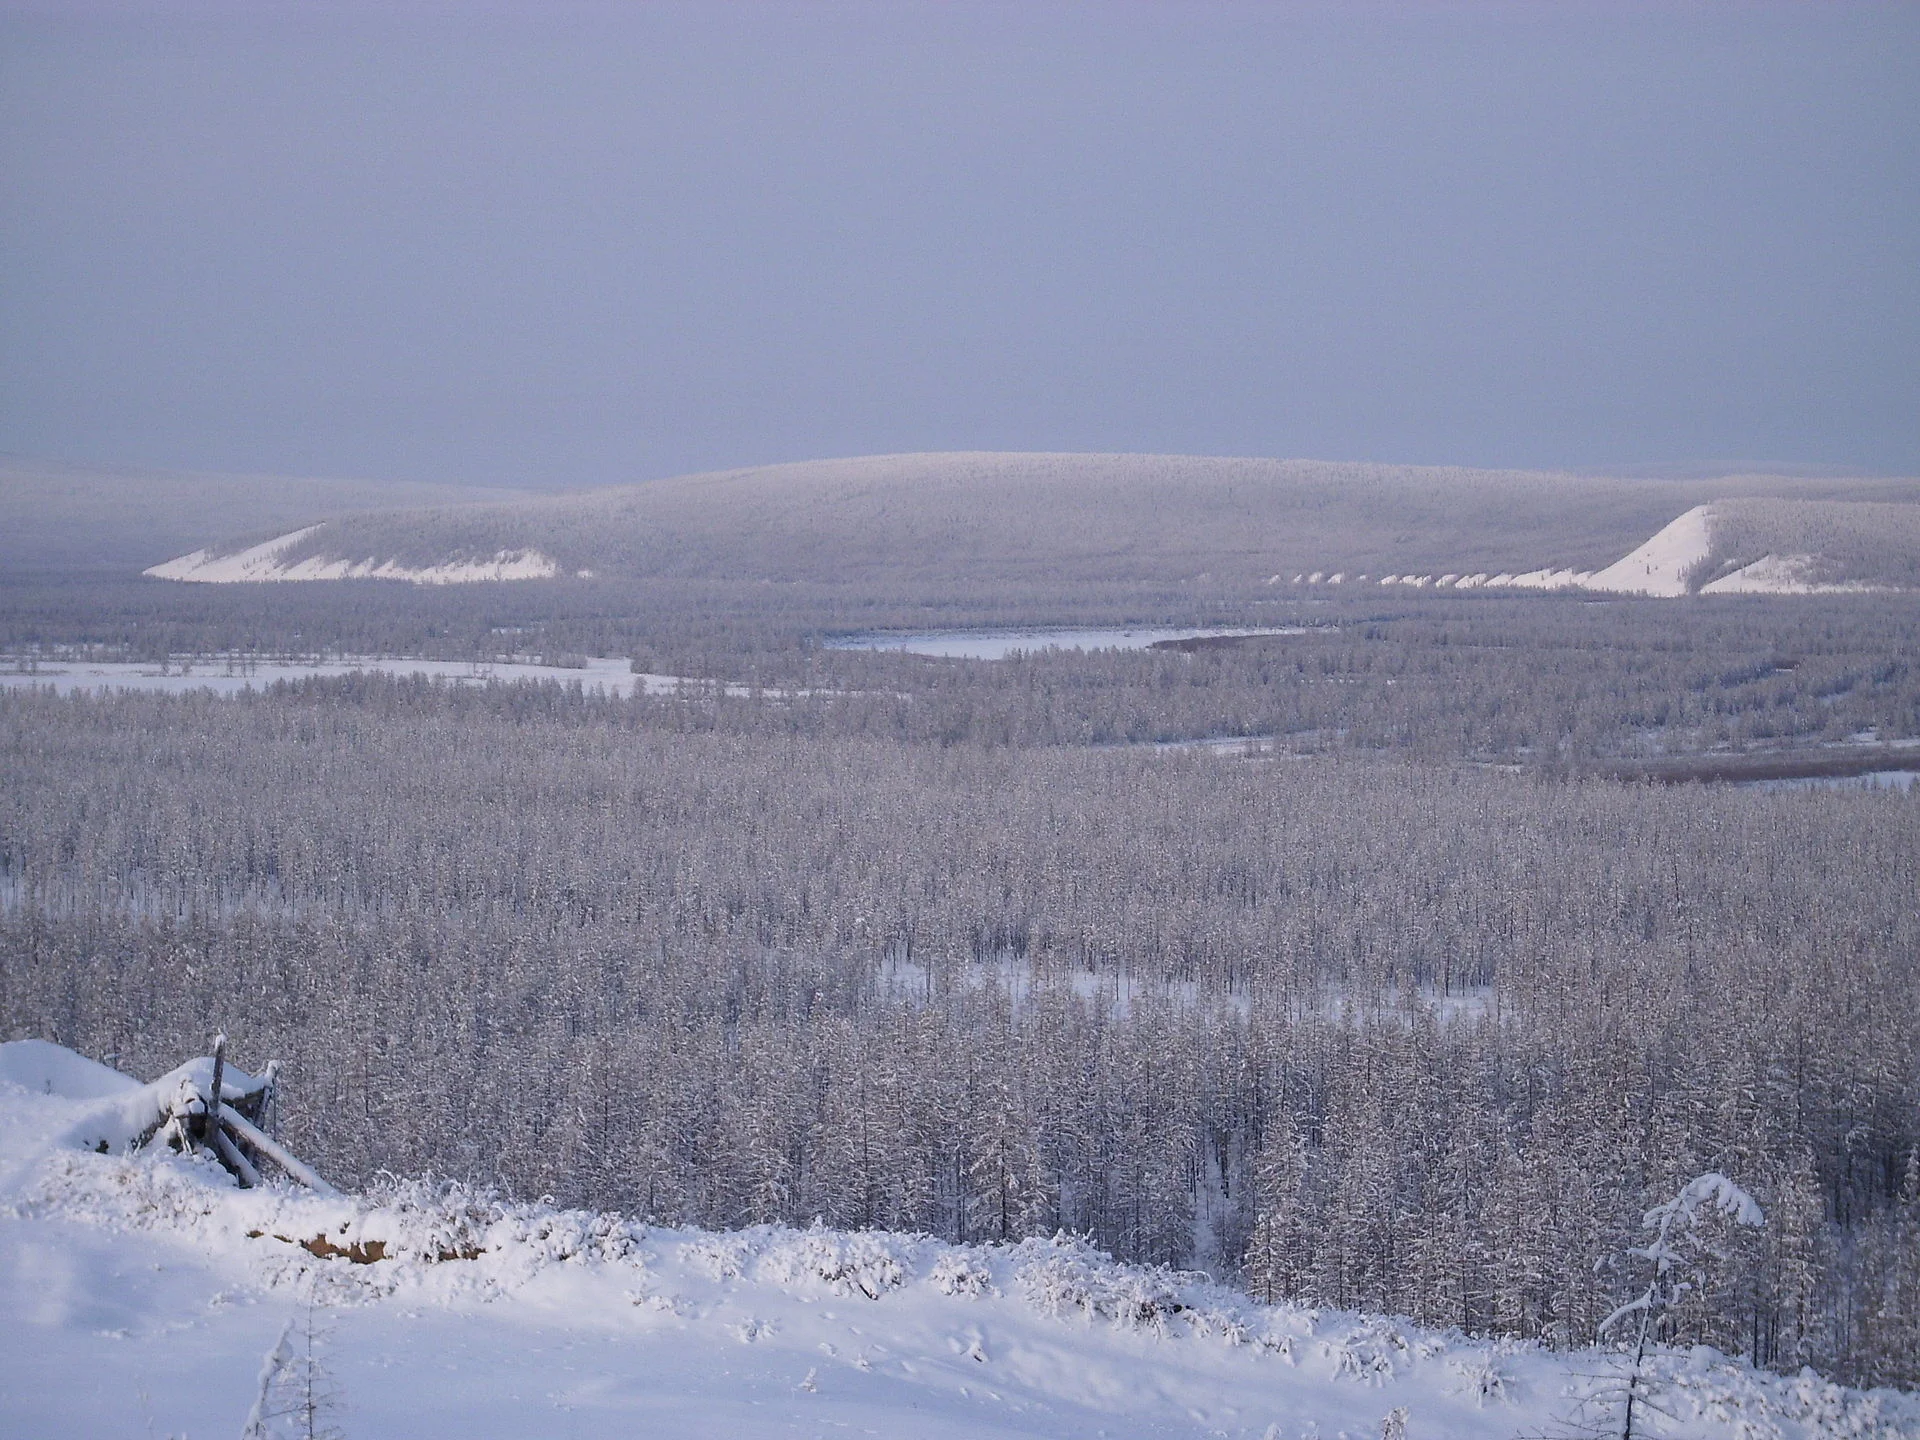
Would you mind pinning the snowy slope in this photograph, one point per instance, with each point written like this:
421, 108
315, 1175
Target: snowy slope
269, 560
142, 1293
1662, 565
1777, 575
1707, 538
256, 562
57, 517
1673, 561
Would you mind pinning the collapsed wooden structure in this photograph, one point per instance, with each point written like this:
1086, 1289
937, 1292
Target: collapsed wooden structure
228, 1116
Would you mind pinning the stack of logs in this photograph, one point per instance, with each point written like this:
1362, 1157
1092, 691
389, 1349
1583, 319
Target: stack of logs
228, 1120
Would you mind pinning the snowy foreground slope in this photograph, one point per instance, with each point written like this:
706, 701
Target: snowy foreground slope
143, 1292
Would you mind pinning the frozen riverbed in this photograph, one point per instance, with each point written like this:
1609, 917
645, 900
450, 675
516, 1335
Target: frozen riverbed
1873, 780
224, 676
998, 644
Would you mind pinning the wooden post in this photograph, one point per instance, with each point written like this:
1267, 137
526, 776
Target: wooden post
213, 1093
267, 1115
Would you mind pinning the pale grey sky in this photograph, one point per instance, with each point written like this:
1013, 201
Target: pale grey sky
557, 244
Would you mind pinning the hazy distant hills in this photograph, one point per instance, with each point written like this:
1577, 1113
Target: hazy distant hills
63, 518
1065, 518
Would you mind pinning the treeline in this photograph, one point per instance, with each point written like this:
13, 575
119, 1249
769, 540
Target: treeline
1846, 542
705, 627
1552, 684
1422, 1039
1547, 682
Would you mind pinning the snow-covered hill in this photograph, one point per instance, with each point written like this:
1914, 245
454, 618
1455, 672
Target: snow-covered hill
990, 519
1741, 547
57, 517
146, 1294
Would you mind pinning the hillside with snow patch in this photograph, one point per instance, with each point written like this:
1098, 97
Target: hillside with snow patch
273, 560
101, 521
1745, 546
988, 520
144, 1292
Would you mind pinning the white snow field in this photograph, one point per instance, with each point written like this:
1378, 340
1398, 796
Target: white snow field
268, 561
1661, 566
143, 1294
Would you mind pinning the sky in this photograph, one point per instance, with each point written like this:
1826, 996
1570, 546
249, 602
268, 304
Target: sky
563, 245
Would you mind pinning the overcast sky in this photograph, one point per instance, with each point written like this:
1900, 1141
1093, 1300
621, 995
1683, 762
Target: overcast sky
557, 245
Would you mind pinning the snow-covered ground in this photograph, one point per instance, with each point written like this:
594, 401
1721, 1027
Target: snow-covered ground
143, 1294
226, 676
268, 561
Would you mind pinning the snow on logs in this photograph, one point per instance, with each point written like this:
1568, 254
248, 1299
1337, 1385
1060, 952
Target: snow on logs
205, 1104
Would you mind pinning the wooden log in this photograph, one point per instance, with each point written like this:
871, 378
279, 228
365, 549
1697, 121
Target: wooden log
257, 1103
212, 1131
263, 1144
236, 1162
266, 1113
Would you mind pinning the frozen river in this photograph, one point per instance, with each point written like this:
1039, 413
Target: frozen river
998, 644
224, 677
229, 676
1873, 780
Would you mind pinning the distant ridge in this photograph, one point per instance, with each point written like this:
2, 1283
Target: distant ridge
59, 517
991, 517
1735, 547
269, 561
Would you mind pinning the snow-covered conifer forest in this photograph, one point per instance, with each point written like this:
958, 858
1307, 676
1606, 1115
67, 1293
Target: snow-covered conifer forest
979, 720
1373, 961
